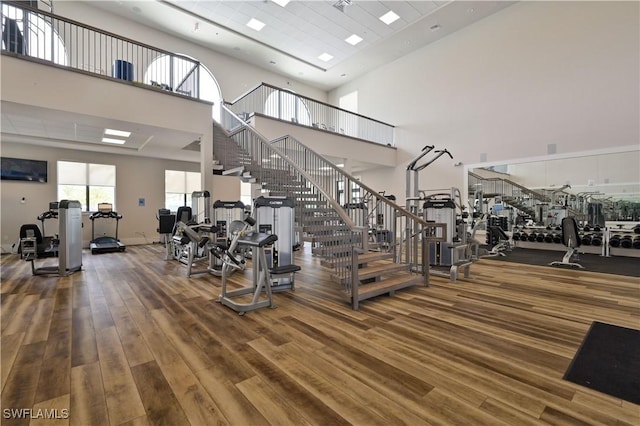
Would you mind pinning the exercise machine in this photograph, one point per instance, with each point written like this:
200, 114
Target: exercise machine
261, 279
46, 246
70, 242
412, 176
201, 206
571, 240
166, 227
105, 244
226, 214
192, 244
275, 215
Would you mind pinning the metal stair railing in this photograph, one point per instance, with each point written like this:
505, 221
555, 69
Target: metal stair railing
392, 228
251, 153
283, 104
290, 164
512, 193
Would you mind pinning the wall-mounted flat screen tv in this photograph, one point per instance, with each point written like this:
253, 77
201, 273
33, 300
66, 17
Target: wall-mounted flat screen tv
23, 170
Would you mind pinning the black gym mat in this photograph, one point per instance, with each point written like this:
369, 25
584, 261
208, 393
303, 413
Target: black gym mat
608, 361
619, 265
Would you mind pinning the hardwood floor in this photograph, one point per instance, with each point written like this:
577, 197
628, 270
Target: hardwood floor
130, 340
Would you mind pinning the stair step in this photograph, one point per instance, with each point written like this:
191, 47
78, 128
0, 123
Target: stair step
375, 270
362, 259
334, 238
388, 285
332, 250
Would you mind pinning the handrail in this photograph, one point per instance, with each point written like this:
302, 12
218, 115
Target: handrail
40, 35
537, 195
283, 104
22, 5
341, 172
258, 86
343, 216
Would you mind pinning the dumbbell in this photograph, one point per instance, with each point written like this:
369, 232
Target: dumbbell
532, 237
586, 240
548, 238
524, 236
557, 238
596, 240
614, 241
540, 237
636, 229
636, 242
597, 228
515, 236
586, 228
626, 241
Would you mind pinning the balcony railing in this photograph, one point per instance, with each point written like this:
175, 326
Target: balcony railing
46, 37
285, 105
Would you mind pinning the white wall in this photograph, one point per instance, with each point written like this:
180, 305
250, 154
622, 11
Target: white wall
136, 177
535, 73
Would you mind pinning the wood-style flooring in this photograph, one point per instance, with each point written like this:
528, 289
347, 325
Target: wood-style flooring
130, 340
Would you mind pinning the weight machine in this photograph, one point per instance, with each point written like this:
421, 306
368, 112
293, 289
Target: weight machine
70, 243
228, 220
275, 215
413, 182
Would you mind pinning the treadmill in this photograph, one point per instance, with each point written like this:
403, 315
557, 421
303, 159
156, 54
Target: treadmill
105, 244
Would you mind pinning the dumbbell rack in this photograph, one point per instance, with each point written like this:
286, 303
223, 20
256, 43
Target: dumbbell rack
603, 248
629, 233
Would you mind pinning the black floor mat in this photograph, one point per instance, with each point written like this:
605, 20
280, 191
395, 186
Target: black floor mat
608, 361
629, 266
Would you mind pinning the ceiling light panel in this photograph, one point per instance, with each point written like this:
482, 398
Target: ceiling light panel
282, 3
325, 57
114, 132
389, 18
255, 24
113, 141
353, 39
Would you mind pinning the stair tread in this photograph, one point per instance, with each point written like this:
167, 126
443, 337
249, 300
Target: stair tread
366, 291
362, 258
373, 270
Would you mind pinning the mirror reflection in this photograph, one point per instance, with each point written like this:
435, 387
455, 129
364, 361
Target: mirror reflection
593, 188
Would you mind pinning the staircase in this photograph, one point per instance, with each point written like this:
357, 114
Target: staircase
367, 257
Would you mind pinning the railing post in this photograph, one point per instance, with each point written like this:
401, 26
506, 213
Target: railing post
354, 278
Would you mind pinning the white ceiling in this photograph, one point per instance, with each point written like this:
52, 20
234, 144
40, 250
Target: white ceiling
295, 36
289, 44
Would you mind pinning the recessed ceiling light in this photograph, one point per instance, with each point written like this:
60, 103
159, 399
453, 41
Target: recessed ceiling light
435, 27
325, 57
255, 24
115, 141
353, 39
282, 3
389, 17
120, 133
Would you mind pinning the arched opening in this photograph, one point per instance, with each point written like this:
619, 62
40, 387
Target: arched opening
30, 34
287, 106
181, 76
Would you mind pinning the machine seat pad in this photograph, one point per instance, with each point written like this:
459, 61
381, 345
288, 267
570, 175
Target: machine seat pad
284, 269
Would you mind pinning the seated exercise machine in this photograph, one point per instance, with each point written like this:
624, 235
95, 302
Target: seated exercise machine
105, 244
46, 246
571, 240
275, 215
257, 242
228, 218
70, 243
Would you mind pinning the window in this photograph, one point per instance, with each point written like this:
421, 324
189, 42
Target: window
88, 183
179, 185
